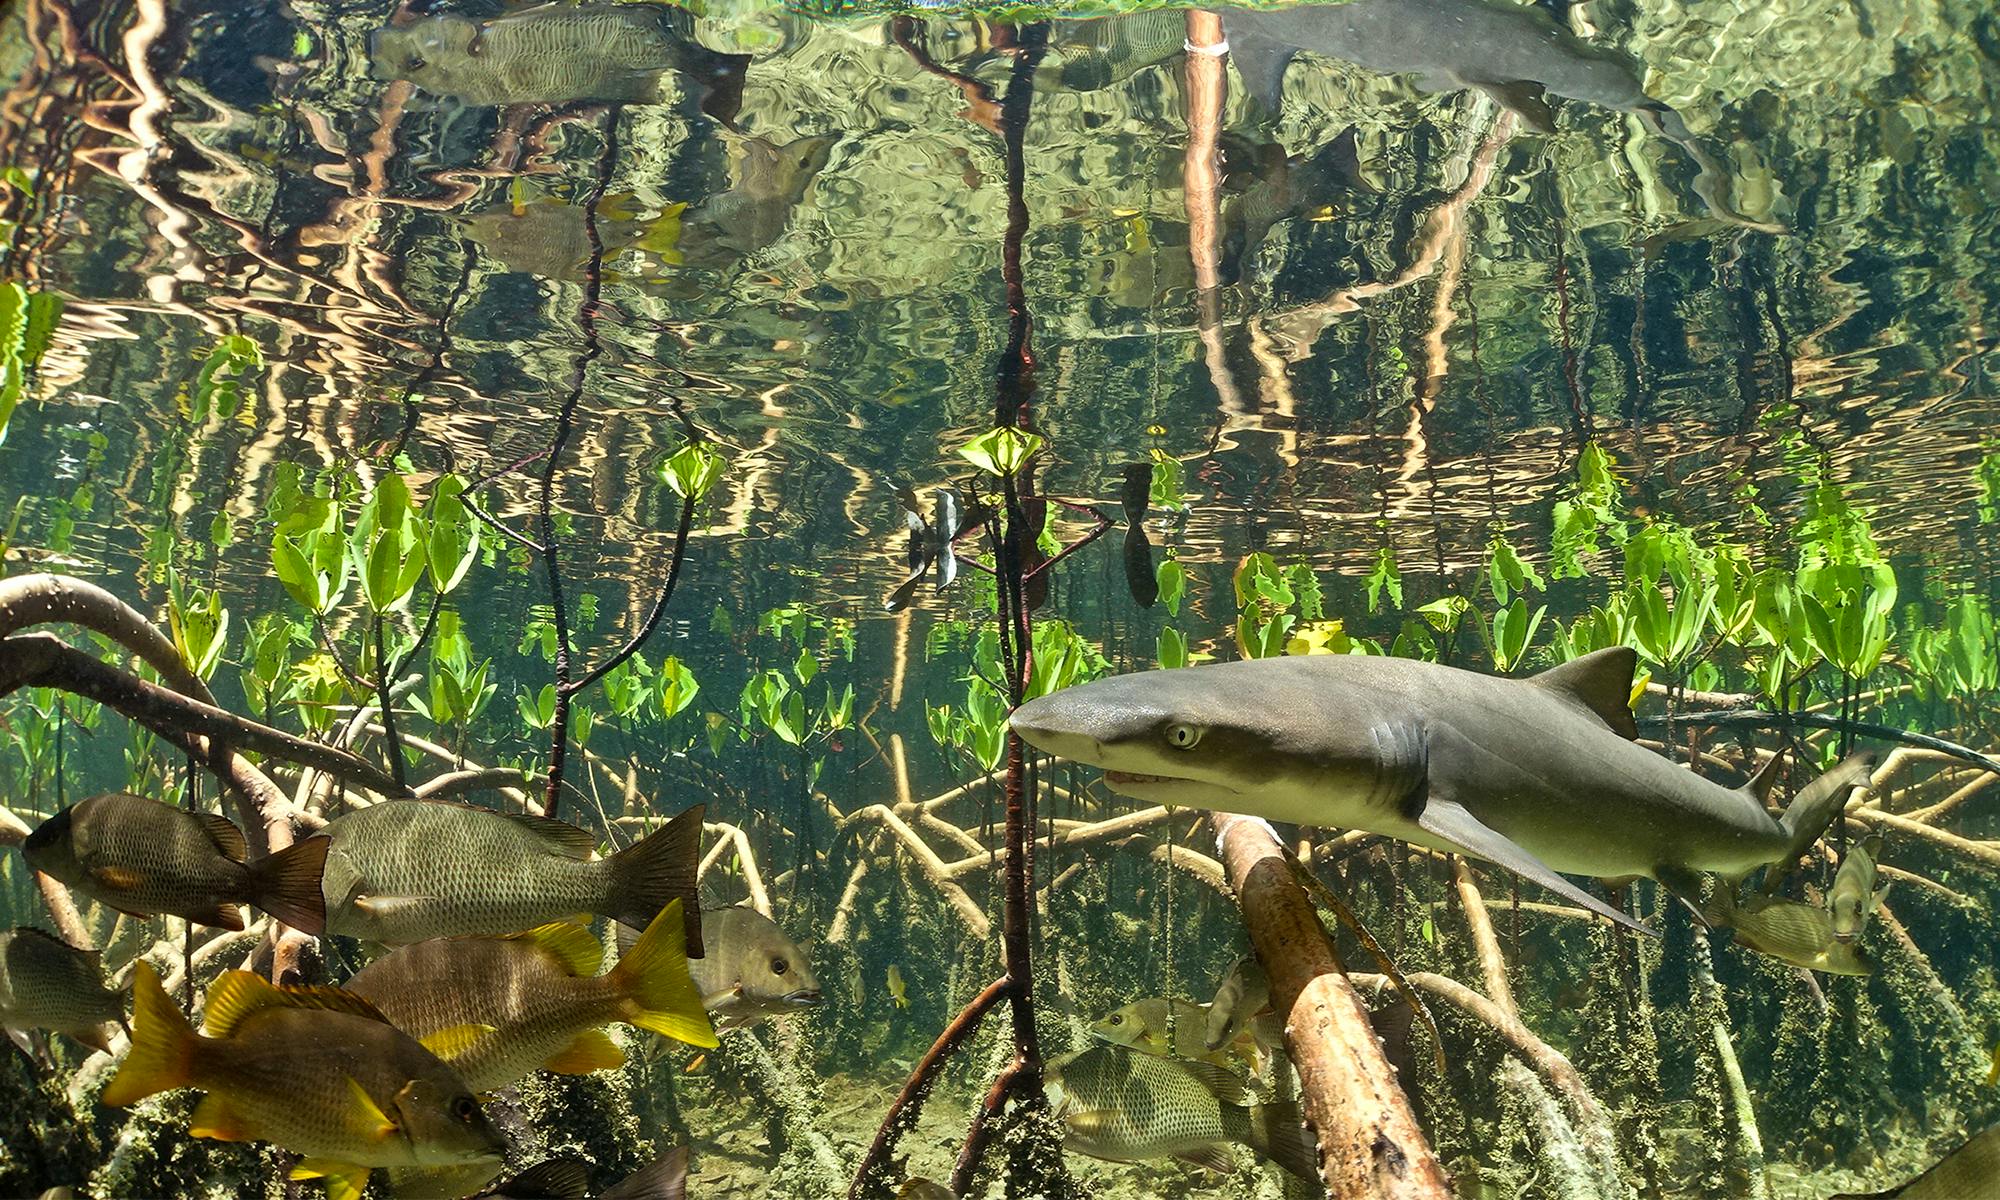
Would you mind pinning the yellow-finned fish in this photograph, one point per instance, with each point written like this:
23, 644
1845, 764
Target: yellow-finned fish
751, 969
535, 999
46, 983
1789, 931
1125, 1106
568, 1178
1243, 994
143, 857
898, 990
1853, 895
409, 870
1172, 1029
315, 1070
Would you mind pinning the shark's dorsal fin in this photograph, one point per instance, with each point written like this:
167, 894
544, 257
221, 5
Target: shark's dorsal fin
1261, 61
1766, 778
1600, 681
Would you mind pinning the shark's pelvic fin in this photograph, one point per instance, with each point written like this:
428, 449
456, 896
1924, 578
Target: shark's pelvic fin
1449, 821
1601, 682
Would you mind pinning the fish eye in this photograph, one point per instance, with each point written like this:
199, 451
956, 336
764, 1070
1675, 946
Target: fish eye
417, 63
465, 1108
1183, 737
779, 966
1117, 1018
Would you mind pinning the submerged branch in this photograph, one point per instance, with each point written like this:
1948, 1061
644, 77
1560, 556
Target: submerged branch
1757, 718
871, 1179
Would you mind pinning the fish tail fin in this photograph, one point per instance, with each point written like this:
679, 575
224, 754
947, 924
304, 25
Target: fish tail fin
656, 869
1278, 1132
665, 1179
652, 979
163, 1045
1814, 808
287, 885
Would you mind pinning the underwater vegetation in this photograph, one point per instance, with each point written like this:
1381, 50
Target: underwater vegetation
1378, 599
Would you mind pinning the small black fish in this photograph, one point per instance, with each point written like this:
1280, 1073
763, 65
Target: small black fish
930, 553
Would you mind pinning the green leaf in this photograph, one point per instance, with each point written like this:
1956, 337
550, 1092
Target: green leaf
1386, 578
1172, 579
806, 667
693, 469
1001, 450
452, 535
1173, 648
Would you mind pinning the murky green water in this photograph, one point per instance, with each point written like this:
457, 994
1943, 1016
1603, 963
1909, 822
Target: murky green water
1471, 332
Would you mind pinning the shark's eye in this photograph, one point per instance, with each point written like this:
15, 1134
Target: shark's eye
1183, 737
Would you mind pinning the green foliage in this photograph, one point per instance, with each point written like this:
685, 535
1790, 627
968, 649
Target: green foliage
693, 470
451, 536
387, 545
1171, 577
199, 624
27, 324
1168, 489
218, 385
1987, 474
1002, 450
1587, 512
1386, 579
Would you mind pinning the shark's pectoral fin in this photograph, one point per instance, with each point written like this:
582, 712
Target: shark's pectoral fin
1525, 99
1685, 886
1449, 821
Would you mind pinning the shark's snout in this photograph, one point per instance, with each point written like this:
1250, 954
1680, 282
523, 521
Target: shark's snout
1045, 724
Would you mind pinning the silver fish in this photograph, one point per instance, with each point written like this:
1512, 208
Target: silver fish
1853, 895
750, 971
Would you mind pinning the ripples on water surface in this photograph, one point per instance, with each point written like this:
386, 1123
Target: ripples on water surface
1739, 251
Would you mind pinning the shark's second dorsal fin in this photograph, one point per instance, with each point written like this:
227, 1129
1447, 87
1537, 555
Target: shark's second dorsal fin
1600, 681
1766, 778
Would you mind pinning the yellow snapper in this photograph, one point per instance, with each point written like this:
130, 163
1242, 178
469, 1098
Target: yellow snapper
406, 871
750, 970
1125, 1106
1853, 895
314, 1070
143, 857
1243, 994
552, 53
898, 990
1789, 931
1148, 1026
46, 983
535, 999
1971, 1172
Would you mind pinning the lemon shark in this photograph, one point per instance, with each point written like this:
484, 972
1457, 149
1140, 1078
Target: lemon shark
1540, 775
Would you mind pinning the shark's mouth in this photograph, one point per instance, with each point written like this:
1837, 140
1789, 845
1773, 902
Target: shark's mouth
1115, 778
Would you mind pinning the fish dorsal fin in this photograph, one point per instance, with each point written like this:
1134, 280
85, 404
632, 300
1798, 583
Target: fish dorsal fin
238, 994
565, 838
570, 944
1766, 778
226, 836
1601, 682
1221, 1082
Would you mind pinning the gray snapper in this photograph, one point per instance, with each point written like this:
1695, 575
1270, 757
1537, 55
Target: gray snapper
751, 970
1853, 895
46, 983
407, 870
1789, 931
145, 858
1125, 1106
535, 999
568, 1178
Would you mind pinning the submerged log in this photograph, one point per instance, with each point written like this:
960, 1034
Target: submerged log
1369, 1142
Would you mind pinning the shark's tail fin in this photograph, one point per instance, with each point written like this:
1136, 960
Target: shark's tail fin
1815, 808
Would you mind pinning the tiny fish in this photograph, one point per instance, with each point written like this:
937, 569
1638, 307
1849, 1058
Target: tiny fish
535, 999
46, 983
897, 990
1853, 895
549, 54
750, 969
1791, 932
314, 1070
1971, 1172
1124, 1106
1172, 1029
919, 1188
143, 857
1993, 1072
408, 870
